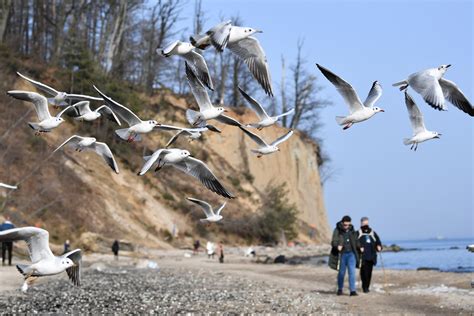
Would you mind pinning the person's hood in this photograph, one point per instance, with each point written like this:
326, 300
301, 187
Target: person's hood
341, 228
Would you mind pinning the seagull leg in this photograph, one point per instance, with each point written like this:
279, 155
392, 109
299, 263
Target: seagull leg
347, 126
412, 145
416, 146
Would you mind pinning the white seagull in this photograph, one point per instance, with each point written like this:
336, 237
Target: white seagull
211, 216
265, 148
44, 263
182, 160
58, 98
187, 51
136, 125
420, 134
7, 186
83, 112
206, 110
265, 119
192, 133
359, 111
240, 42
80, 143
434, 89
46, 121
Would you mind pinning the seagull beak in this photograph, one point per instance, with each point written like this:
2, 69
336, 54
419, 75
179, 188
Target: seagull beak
258, 31
447, 66
382, 110
226, 110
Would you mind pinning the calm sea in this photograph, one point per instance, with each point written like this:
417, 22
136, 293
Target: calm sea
445, 254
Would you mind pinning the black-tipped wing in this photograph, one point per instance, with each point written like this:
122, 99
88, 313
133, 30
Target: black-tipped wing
207, 208
220, 34
126, 114
82, 97
74, 272
228, 120
415, 115
103, 150
174, 138
254, 137
454, 95
250, 51
200, 67
41, 86
108, 113
39, 101
374, 94
73, 141
200, 171
198, 89
281, 139
37, 240
257, 107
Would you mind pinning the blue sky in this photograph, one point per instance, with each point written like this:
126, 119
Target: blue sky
406, 194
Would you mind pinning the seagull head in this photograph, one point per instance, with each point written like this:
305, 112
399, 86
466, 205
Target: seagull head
444, 68
67, 263
61, 96
377, 109
185, 153
250, 31
59, 119
221, 110
153, 122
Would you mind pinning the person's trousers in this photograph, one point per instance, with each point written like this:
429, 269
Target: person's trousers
7, 247
366, 273
348, 261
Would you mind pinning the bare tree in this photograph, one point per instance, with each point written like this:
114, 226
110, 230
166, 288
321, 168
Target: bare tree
5, 7
116, 35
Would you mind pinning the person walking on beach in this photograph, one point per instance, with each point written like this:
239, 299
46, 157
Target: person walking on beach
345, 253
196, 245
116, 248
210, 247
67, 246
220, 252
370, 241
7, 247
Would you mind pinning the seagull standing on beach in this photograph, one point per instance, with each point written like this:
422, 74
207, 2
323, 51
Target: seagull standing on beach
44, 263
58, 98
187, 51
359, 111
265, 119
211, 216
80, 143
136, 125
207, 111
420, 134
266, 149
435, 89
182, 160
241, 43
7, 186
46, 121
84, 112
192, 133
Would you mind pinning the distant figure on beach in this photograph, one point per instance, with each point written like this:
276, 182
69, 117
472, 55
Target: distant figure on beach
345, 254
7, 247
116, 248
196, 245
370, 242
211, 250
67, 246
220, 252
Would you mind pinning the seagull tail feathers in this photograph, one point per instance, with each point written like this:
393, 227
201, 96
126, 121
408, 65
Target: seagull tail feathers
22, 268
192, 116
200, 41
123, 133
34, 126
341, 120
407, 141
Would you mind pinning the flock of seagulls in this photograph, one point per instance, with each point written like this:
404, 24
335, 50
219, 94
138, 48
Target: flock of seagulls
430, 84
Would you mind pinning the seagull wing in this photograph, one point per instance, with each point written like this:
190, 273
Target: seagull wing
73, 140
257, 107
344, 89
65, 110
82, 97
220, 34
281, 139
37, 240
254, 137
374, 94
286, 113
199, 64
415, 115
74, 272
109, 113
250, 51
168, 49
207, 208
429, 87
198, 90
174, 138
39, 101
150, 160
82, 107
200, 171
126, 114
228, 120
7, 186
104, 150
41, 86
454, 95
219, 210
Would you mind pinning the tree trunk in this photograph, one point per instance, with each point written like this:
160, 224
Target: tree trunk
116, 36
5, 6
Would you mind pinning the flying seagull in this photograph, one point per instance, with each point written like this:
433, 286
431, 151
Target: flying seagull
359, 111
187, 51
192, 133
182, 160
420, 134
136, 125
83, 112
211, 216
58, 98
7, 186
241, 43
265, 119
435, 89
44, 263
206, 110
266, 149
46, 121
80, 143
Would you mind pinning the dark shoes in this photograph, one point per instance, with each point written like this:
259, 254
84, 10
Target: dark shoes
354, 293
339, 292
366, 290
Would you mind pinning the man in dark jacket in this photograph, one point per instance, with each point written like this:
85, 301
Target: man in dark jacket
7, 247
370, 241
345, 254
